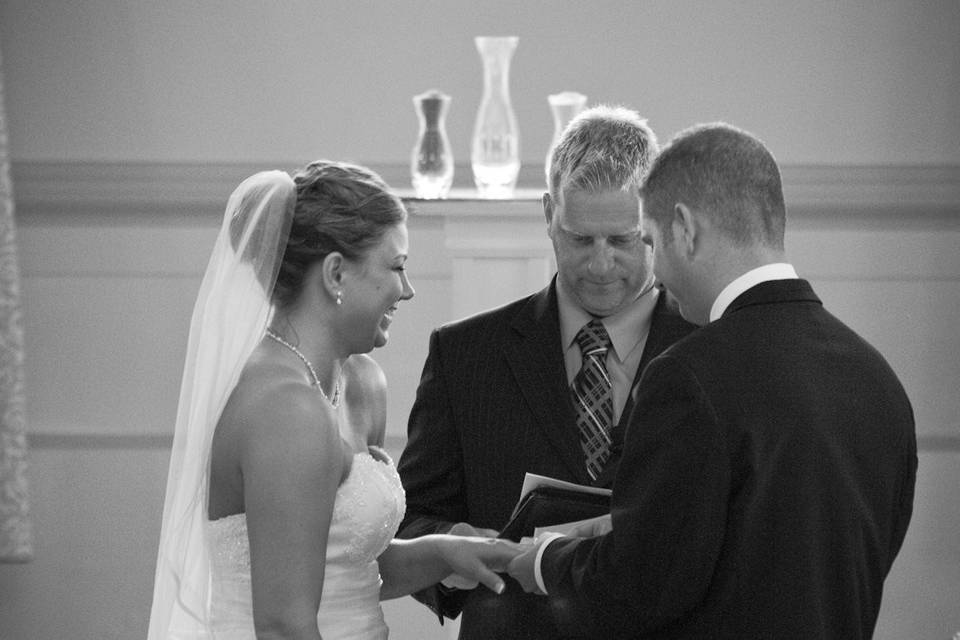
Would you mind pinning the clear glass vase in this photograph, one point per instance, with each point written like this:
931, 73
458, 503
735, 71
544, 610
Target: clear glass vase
495, 148
564, 106
431, 163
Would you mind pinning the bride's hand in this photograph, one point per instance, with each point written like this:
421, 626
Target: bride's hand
476, 560
455, 581
465, 529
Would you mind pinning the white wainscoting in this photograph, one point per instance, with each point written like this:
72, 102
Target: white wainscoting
111, 257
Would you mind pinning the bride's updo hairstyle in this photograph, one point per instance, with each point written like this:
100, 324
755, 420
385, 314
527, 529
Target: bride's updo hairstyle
340, 207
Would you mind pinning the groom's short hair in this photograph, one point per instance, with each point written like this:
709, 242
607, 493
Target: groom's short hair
722, 172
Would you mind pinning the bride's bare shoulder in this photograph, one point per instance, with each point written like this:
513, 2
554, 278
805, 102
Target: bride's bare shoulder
365, 384
366, 397
363, 371
279, 433
272, 400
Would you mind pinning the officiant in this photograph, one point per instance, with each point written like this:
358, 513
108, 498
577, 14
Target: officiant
545, 383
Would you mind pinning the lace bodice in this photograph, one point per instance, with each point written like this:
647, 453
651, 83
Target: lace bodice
367, 511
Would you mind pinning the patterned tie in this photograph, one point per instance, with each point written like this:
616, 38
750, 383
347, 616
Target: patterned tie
593, 396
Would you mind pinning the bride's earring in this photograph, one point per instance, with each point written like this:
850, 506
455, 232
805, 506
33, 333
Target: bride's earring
339, 297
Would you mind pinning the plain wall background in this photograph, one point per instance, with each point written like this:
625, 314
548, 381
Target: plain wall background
853, 82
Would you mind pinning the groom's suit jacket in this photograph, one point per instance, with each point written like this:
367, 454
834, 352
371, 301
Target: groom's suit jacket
494, 403
765, 484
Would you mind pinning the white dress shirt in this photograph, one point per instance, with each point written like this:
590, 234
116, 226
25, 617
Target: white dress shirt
628, 330
774, 271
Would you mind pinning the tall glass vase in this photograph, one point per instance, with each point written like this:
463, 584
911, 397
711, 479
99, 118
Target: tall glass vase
495, 149
431, 163
564, 107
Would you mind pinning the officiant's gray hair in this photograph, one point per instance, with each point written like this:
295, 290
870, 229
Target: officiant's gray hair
602, 148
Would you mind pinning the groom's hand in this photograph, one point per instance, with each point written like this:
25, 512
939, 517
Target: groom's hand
522, 567
479, 558
455, 581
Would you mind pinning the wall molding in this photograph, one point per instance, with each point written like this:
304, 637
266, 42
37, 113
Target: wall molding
73, 187
71, 441
86, 441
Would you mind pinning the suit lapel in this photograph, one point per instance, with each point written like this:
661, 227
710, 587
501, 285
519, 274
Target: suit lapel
536, 358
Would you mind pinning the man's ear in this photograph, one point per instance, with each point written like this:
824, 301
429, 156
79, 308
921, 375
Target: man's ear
547, 207
686, 228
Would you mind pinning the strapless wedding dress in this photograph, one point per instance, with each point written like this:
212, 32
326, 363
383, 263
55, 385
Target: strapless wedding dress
366, 514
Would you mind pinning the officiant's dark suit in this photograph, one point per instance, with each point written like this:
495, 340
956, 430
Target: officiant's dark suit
494, 400
493, 404
767, 477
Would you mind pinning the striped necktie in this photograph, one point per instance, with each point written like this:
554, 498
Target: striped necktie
593, 396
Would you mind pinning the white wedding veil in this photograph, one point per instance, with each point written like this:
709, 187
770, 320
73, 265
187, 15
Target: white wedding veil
229, 319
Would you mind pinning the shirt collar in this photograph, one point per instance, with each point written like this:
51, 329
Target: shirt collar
625, 328
774, 271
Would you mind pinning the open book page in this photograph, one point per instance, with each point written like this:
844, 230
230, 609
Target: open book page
532, 481
581, 528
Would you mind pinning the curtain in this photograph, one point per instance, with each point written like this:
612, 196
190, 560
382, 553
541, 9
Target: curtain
16, 543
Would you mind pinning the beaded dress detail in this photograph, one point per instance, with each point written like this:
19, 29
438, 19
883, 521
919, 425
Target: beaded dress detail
367, 511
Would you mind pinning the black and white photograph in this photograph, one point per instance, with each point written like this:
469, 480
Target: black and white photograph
479, 320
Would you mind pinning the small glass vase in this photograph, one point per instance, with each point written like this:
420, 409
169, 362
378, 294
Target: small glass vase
431, 163
495, 148
564, 106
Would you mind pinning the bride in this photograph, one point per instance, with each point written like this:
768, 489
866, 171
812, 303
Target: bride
281, 505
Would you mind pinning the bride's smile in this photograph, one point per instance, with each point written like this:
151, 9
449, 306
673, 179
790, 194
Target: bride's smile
383, 284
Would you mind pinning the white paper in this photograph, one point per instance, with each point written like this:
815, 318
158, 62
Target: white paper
532, 480
566, 527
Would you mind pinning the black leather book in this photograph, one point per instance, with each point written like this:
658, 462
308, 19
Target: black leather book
545, 506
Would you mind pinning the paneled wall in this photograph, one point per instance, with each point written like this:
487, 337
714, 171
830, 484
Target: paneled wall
111, 260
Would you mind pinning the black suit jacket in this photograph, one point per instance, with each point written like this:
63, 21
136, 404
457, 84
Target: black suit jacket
765, 485
493, 403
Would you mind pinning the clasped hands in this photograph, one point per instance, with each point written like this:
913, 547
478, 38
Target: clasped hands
481, 555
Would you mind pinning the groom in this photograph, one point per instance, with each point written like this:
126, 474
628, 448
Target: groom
767, 475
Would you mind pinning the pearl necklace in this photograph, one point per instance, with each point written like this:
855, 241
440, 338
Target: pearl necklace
335, 402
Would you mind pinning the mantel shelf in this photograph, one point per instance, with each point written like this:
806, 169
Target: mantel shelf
930, 193
472, 195
467, 202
